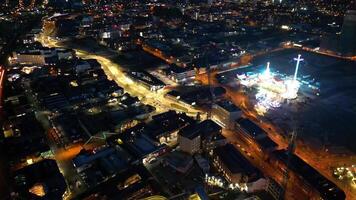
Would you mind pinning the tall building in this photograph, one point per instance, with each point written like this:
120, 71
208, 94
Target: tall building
189, 141
348, 32
226, 113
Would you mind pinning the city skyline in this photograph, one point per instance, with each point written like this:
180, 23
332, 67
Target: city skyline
188, 99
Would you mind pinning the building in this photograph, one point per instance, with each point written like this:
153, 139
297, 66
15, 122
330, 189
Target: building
179, 74
312, 178
233, 165
178, 97
179, 161
348, 33
225, 113
211, 134
82, 66
137, 143
30, 58
254, 134
203, 135
96, 166
266, 189
65, 54
41, 56
203, 163
164, 127
24, 137
146, 80
129, 101
189, 141
134, 183
41, 180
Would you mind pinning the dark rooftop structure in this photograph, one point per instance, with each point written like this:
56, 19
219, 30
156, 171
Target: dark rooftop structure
148, 80
175, 69
96, 166
120, 186
105, 153
68, 125
327, 189
28, 137
206, 129
45, 173
128, 100
229, 106
256, 133
235, 161
135, 141
167, 122
179, 161
251, 128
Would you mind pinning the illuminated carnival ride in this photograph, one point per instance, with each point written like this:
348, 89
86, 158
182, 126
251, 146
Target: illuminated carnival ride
272, 89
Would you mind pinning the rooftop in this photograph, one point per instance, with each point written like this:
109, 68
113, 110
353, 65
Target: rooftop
229, 106
257, 133
112, 157
251, 128
234, 160
204, 129
326, 188
167, 122
45, 172
135, 141
179, 160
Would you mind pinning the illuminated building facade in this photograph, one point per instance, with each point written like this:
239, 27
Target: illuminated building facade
225, 113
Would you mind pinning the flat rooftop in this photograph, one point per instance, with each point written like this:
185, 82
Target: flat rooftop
251, 128
135, 141
228, 106
203, 129
234, 160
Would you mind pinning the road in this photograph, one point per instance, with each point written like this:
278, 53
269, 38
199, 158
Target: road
65, 154
162, 104
117, 73
61, 153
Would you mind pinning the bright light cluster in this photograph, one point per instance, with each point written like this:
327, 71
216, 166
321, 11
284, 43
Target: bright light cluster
218, 182
214, 181
346, 173
272, 90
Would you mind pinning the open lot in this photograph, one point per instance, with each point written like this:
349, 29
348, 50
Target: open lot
329, 117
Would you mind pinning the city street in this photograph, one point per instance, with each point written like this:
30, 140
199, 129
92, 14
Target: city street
162, 104
143, 99
116, 73
64, 155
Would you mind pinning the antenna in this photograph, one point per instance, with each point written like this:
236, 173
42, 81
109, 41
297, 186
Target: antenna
212, 95
290, 152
